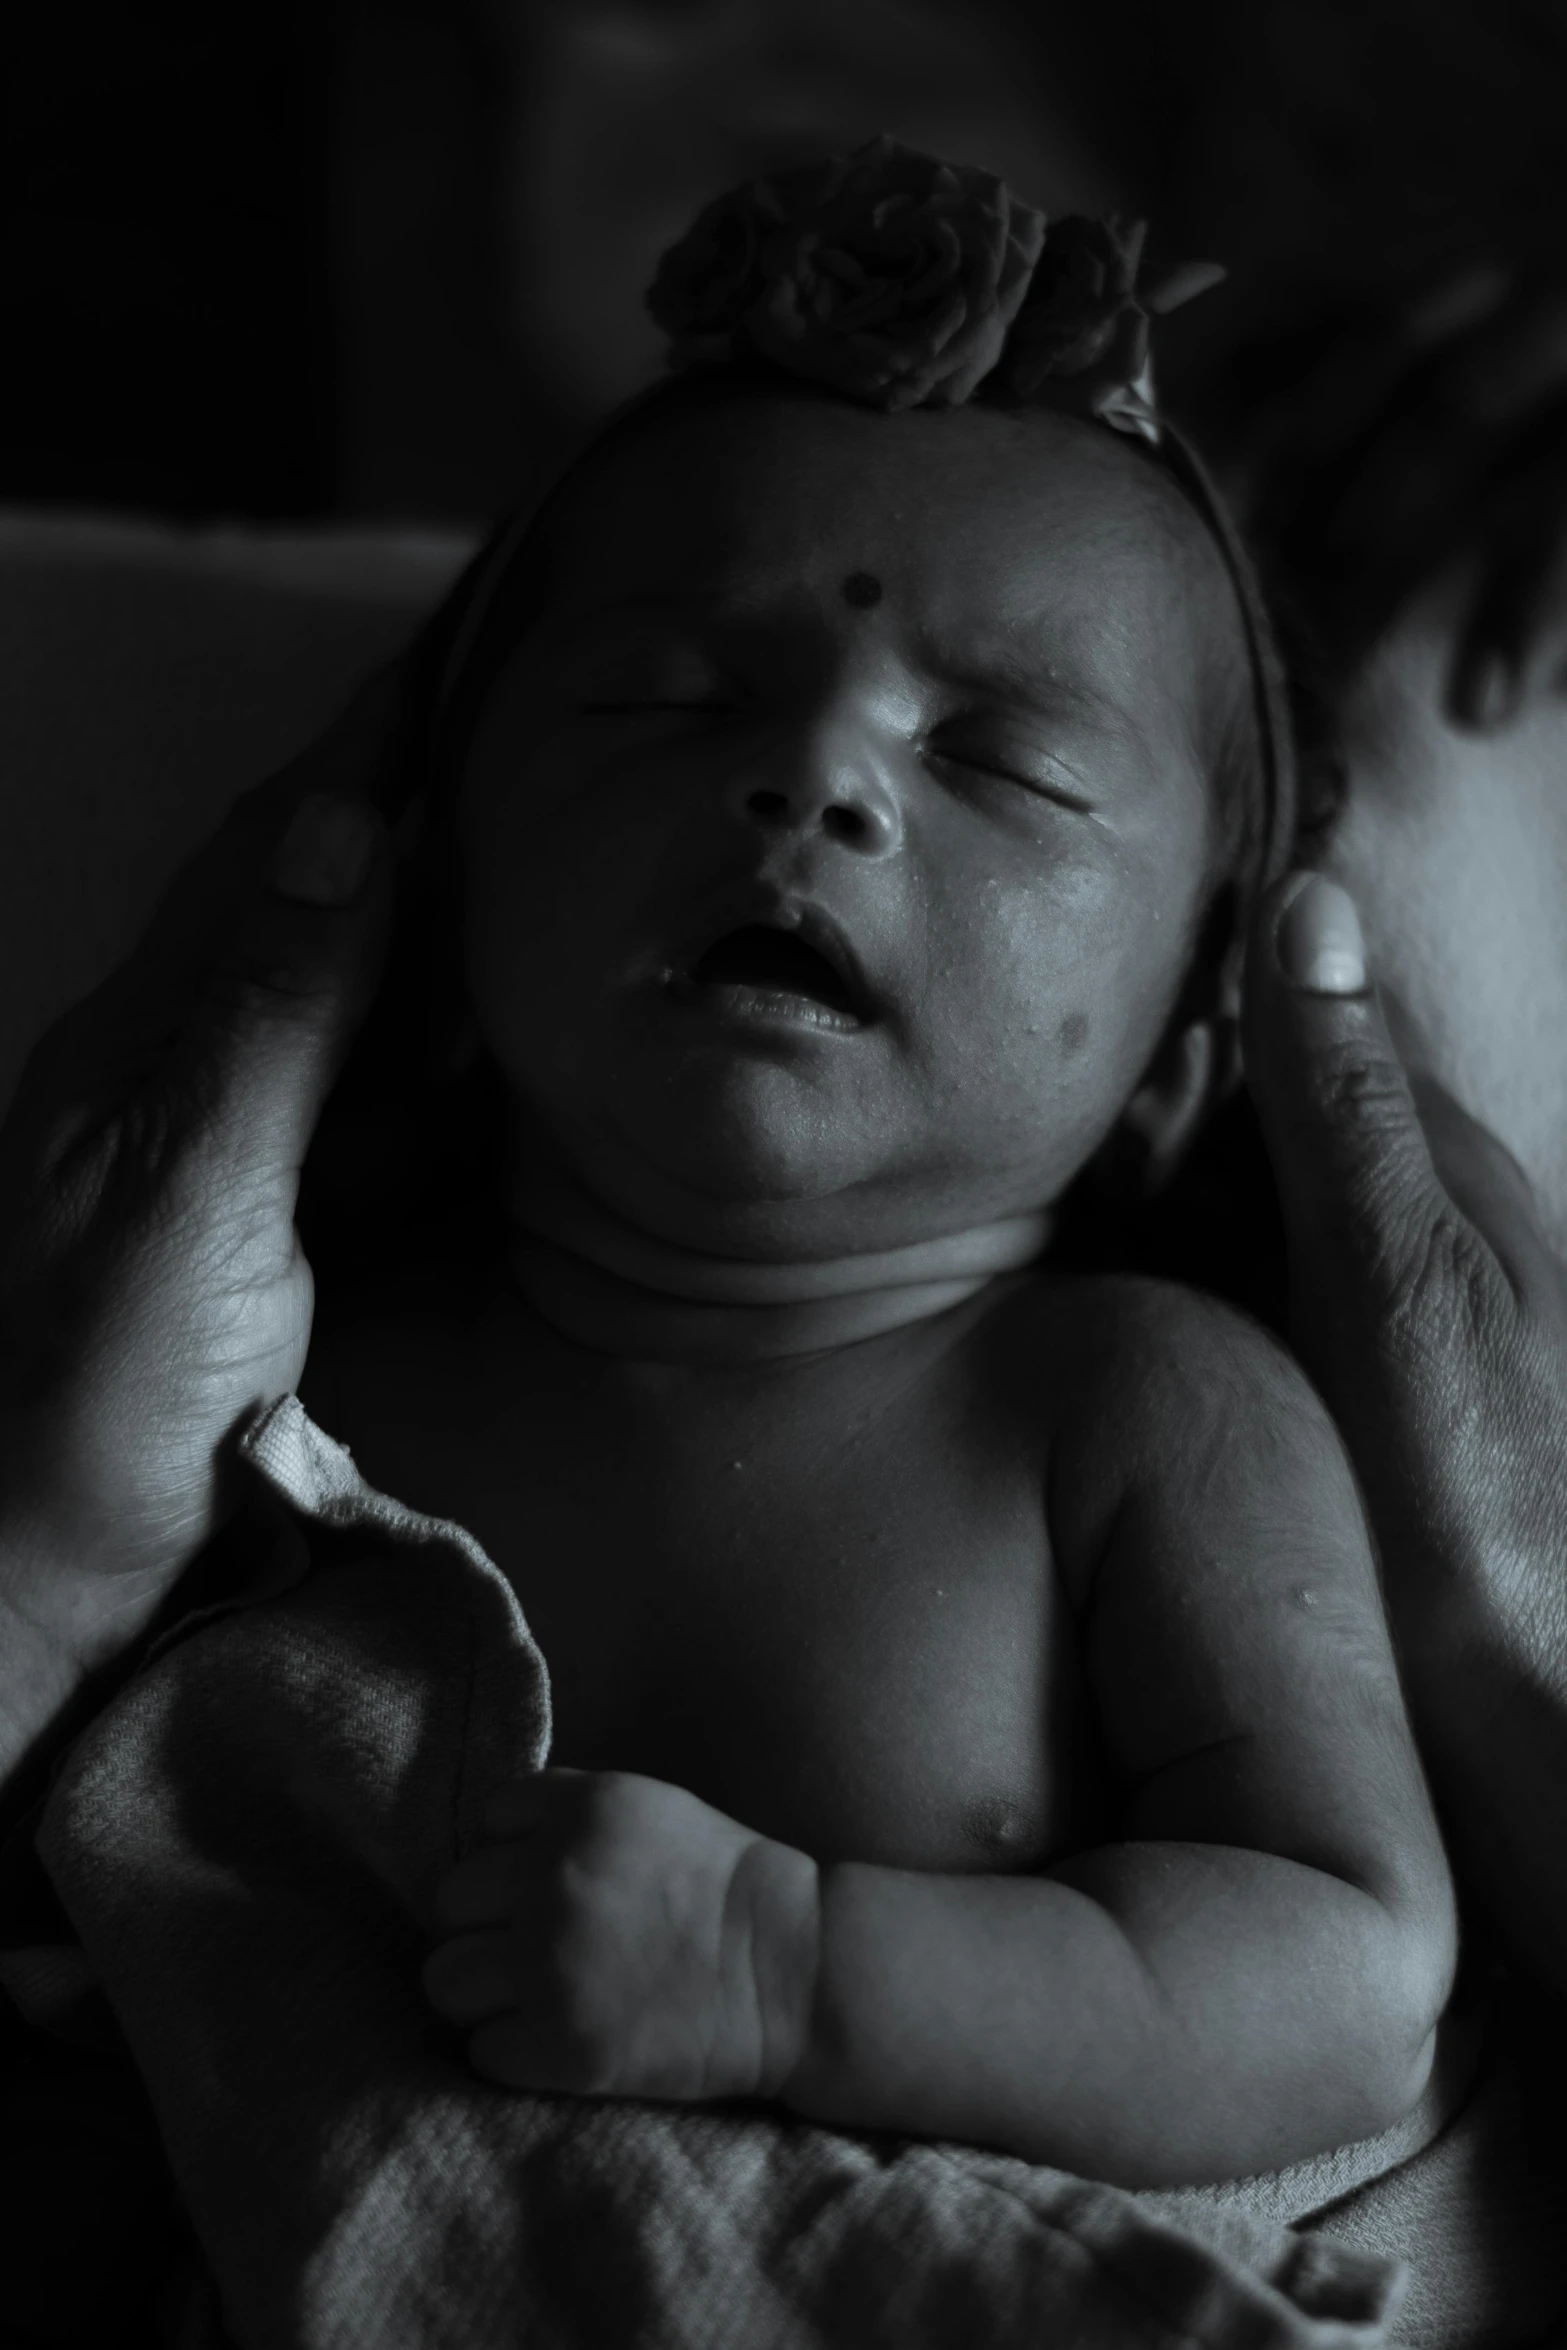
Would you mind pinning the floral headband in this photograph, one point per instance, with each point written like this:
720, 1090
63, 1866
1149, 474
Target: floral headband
905, 282
900, 281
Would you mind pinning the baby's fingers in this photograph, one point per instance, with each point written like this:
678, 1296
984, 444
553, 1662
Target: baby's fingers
471, 1977
513, 2051
543, 1798
481, 1890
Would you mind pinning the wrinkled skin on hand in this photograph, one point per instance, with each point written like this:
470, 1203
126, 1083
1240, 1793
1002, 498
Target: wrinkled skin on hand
152, 1289
626, 1939
1430, 1309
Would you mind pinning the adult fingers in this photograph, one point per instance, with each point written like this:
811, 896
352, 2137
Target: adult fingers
107, 1045
349, 760
1514, 641
1510, 364
268, 1028
1354, 1173
1392, 1287
1486, 1183
1385, 1181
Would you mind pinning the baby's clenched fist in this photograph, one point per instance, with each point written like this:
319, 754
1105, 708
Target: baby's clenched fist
622, 1938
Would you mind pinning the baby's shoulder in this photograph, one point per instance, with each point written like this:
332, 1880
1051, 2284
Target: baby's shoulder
1151, 1342
1155, 1385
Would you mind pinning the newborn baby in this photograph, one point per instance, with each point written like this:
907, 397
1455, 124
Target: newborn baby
974, 1711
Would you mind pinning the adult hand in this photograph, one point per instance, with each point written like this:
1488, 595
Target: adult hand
1475, 466
1436, 444
152, 1290
1430, 1310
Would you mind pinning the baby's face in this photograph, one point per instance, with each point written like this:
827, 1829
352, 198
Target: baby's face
837, 842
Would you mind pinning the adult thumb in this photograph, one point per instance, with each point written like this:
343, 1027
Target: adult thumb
1356, 1182
285, 993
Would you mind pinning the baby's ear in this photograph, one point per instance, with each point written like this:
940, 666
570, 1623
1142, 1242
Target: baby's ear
1186, 1081
1197, 1066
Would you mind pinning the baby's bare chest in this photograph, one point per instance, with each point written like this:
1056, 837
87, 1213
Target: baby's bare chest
832, 1614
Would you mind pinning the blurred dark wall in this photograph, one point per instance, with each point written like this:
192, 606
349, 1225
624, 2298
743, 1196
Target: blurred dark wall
163, 264
384, 257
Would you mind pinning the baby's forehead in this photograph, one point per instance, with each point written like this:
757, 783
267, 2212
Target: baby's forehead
976, 526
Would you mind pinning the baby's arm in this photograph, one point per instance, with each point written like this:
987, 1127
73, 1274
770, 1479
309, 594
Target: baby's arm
1252, 1967
1249, 1971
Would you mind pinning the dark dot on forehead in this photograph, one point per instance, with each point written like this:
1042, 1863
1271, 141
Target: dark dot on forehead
862, 588
1074, 1028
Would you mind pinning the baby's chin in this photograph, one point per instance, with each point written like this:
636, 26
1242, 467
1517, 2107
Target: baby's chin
765, 1112
746, 1145
753, 1170
747, 1136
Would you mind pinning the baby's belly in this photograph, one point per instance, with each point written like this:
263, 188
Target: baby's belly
828, 1611
888, 1707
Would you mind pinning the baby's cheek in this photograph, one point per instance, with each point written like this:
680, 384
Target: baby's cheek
528, 965
1028, 1061
1045, 964
1069, 993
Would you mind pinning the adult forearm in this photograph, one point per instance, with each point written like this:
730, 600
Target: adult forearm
1173, 2013
1487, 1680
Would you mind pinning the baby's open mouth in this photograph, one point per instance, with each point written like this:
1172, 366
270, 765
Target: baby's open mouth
770, 962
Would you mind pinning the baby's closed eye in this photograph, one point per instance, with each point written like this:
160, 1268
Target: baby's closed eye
1010, 754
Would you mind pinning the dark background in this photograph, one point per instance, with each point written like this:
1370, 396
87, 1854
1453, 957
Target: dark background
381, 258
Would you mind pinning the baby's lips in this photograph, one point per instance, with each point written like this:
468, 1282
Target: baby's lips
817, 928
765, 908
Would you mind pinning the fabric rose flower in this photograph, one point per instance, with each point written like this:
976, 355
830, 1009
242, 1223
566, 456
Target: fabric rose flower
1078, 298
706, 283
888, 275
906, 282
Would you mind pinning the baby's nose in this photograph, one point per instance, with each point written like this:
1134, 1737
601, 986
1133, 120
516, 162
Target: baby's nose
843, 797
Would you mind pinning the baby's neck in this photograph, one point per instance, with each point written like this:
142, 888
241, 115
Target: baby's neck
612, 1286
